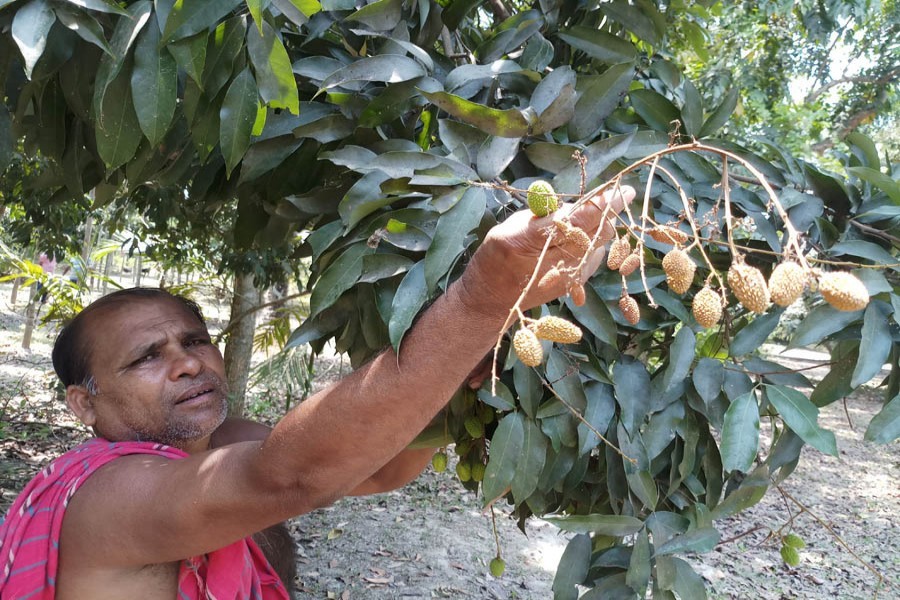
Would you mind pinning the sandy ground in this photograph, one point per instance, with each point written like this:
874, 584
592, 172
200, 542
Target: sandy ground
432, 540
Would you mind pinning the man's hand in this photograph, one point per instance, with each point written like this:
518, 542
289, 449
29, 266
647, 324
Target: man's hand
506, 260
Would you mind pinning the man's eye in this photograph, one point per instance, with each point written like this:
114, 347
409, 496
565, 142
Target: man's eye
145, 359
197, 342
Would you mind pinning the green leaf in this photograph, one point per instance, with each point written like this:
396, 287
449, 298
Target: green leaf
530, 462
236, 118
801, 415
506, 449
638, 575
153, 83
632, 384
691, 109
595, 316
677, 575
408, 301
708, 378
225, 44
503, 400
30, 28
881, 181
875, 343
451, 234
599, 156
495, 155
836, 383
339, 277
754, 334
644, 22
601, 96
611, 525
381, 15
655, 109
117, 129
99, 6
599, 411
722, 113
364, 198
506, 123
884, 427
681, 355
384, 266
188, 18
272, 66
699, 540
190, 55
386, 68
751, 491
264, 157
740, 434
866, 250
599, 44
529, 388
821, 322
573, 568
83, 24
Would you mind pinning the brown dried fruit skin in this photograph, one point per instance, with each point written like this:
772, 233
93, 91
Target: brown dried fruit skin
528, 347
668, 235
631, 262
843, 290
557, 329
575, 236
679, 270
786, 283
618, 252
707, 307
749, 286
630, 309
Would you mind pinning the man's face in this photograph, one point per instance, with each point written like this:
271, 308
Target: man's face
158, 376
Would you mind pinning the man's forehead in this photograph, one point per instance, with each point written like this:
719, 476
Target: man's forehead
137, 315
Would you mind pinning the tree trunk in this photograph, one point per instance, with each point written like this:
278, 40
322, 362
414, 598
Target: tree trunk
30, 317
107, 273
14, 293
138, 265
239, 345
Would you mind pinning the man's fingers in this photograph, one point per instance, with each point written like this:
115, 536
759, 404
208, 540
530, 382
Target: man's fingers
601, 209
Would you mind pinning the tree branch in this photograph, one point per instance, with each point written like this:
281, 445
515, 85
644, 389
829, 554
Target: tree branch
888, 77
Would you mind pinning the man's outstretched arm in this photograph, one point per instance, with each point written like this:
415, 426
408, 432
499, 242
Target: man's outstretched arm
327, 446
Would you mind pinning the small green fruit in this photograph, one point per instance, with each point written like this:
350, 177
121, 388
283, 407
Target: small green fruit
794, 541
542, 198
478, 471
439, 462
790, 556
474, 427
464, 471
497, 567
485, 413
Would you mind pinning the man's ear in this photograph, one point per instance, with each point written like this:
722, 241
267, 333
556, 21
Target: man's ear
81, 403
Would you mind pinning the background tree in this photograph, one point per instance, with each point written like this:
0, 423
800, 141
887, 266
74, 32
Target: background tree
396, 133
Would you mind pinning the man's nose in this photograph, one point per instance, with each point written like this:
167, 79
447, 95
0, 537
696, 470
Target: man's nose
185, 364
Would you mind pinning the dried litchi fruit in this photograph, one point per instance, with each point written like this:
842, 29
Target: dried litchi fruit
576, 292
679, 270
575, 236
631, 262
668, 235
786, 283
556, 329
618, 252
707, 307
630, 309
528, 347
749, 286
843, 290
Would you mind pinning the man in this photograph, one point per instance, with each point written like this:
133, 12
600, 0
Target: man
141, 371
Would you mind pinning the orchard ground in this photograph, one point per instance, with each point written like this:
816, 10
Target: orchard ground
433, 540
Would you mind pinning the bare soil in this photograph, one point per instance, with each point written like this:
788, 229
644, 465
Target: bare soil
432, 540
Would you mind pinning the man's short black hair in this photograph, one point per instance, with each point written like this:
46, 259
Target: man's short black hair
72, 349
